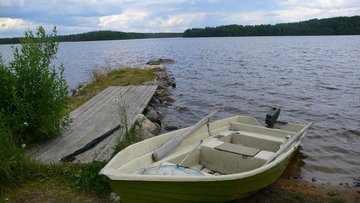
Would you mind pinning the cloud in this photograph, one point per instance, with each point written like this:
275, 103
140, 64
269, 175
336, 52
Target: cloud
321, 4
299, 10
248, 18
15, 24
178, 22
124, 20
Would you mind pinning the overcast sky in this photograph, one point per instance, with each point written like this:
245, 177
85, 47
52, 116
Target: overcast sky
77, 16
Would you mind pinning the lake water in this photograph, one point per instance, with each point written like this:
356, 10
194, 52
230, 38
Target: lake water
313, 78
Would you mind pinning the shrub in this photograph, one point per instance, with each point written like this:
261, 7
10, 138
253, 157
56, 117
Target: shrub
33, 91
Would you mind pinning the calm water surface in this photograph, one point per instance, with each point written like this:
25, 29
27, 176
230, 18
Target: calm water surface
311, 78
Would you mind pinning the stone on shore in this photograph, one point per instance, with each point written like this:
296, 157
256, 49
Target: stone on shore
171, 127
152, 115
147, 125
162, 93
160, 61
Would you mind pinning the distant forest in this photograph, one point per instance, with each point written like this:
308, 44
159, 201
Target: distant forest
328, 26
101, 35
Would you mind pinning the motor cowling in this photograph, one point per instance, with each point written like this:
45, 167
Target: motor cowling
271, 116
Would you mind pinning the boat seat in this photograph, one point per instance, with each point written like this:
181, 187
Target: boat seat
238, 149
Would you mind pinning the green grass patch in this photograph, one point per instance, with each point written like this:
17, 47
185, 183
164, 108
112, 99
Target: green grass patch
116, 77
132, 137
75, 177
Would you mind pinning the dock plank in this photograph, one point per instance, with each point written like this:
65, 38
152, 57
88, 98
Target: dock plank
92, 119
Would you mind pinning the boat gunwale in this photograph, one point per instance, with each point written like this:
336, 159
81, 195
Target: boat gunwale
117, 175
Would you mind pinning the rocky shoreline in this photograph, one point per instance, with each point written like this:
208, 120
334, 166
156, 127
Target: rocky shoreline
151, 120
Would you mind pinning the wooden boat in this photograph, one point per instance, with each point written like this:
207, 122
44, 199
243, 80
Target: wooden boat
226, 160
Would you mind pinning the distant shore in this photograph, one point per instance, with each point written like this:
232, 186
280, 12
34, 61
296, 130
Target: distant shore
326, 26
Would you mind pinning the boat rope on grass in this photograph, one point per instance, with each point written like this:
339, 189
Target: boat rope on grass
88, 146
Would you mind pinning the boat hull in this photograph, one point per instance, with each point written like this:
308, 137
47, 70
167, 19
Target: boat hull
199, 191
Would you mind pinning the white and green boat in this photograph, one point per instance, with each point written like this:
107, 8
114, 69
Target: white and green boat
210, 162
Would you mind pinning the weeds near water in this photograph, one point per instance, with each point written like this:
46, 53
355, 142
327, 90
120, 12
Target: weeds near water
123, 114
131, 136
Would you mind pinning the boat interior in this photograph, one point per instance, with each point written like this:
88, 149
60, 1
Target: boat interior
237, 145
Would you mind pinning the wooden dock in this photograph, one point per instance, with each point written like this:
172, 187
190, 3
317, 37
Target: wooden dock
94, 118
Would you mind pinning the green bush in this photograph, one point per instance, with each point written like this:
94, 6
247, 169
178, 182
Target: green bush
33, 91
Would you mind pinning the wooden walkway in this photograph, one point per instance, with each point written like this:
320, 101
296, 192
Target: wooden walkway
94, 118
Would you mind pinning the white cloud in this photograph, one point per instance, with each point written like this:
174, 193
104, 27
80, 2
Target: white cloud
7, 24
296, 14
123, 20
247, 18
299, 10
324, 4
178, 22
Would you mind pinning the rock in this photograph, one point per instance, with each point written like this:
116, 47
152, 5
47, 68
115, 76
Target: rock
160, 61
158, 127
158, 67
152, 115
160, 115
166, 100
114, 197
181, 108
313, 179
74, 92
162, 93
145, 134
171, 127
147, 125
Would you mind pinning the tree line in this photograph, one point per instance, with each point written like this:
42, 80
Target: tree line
101, 35
328, 26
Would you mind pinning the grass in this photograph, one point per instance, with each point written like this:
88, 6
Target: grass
133, 136
117, 77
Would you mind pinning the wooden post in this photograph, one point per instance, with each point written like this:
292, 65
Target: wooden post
288, 143
174, 142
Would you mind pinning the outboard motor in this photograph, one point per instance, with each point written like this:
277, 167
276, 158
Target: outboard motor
271, 117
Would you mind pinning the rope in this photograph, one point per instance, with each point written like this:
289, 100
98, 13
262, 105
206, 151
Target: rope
178, 165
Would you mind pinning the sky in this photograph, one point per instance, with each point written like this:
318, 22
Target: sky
78, 16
